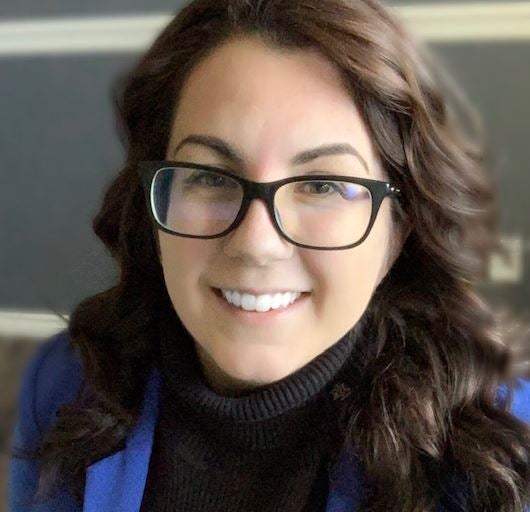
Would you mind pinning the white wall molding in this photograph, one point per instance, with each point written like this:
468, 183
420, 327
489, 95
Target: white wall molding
445, 23
29, 324
110, 34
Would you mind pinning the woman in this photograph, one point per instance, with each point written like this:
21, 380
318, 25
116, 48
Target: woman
323, 347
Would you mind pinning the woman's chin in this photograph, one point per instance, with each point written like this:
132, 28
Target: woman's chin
249, 369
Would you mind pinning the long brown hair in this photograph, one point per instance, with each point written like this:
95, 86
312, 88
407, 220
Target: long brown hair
434, 356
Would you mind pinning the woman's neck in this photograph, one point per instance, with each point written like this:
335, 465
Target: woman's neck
219, 381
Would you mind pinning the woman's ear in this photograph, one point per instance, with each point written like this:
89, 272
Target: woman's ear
156, 243
399, 241
395, 246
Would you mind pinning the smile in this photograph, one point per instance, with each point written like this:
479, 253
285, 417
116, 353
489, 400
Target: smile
261, 304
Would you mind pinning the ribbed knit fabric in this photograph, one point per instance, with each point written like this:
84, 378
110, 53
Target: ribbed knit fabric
267, 451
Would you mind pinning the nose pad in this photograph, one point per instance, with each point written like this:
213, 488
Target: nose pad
256, 242
266, 213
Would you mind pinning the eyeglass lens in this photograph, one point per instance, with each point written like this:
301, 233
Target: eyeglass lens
313, 212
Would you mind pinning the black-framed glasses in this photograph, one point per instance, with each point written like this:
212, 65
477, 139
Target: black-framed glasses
314, 211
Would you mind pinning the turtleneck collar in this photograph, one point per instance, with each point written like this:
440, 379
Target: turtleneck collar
300, 408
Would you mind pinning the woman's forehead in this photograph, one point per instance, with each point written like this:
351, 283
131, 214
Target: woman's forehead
260, 78
269, 120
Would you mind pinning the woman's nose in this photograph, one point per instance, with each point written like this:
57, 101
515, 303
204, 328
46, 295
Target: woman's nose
256, 239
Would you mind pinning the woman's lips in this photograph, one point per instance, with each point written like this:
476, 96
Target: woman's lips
258, 317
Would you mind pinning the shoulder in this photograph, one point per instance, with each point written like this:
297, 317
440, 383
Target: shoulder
521, 399
52, 377
346, 473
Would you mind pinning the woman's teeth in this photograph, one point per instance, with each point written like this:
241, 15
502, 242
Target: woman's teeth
261, 303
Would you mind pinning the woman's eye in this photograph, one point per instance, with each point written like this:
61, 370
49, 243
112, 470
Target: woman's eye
320, 187
208, 179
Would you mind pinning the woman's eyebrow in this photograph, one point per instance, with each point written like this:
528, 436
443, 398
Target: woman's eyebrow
230, 153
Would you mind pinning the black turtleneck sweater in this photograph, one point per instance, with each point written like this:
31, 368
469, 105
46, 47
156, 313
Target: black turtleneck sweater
267, 451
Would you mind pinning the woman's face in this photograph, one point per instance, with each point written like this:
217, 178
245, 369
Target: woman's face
270, 106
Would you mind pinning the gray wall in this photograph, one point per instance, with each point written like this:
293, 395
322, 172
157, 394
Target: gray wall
32, 8
59, 150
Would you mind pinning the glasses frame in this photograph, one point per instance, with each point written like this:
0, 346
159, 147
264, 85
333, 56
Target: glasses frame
266, 192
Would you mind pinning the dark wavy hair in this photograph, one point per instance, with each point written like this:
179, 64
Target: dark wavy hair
426, 404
